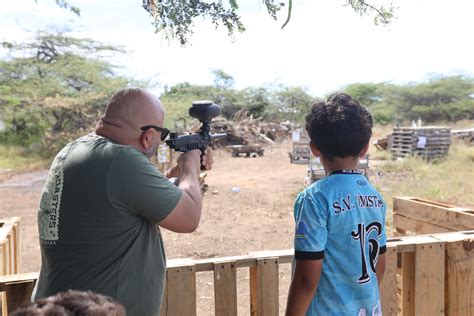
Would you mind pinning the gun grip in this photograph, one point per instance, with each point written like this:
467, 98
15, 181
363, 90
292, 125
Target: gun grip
203, 168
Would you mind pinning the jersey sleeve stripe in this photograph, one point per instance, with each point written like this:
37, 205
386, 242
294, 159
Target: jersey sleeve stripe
383, 249
308, 255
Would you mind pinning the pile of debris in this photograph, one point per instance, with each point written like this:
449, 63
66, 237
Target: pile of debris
249, 131
246, 130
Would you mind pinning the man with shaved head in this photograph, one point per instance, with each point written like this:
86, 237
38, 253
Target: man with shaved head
103, 203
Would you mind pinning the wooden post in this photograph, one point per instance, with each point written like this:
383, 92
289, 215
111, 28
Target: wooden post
17, 289
388, 287
225, 288
264, 290
19, 293
429, 278
181, 291
4, 310
253, 290
3, 259
16, 238
459, 274
408, 283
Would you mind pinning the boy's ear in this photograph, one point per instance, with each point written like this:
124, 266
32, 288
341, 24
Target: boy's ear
316, 153
364, 151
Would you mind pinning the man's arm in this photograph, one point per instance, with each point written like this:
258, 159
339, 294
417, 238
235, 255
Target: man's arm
303, 286
380, 268
185, 217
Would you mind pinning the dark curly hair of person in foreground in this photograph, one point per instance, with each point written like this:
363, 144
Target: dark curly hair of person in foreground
72, 303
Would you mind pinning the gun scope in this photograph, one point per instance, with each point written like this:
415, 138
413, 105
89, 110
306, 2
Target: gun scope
204, 111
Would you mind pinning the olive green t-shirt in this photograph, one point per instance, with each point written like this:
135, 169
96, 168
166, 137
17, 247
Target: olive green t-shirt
98, 227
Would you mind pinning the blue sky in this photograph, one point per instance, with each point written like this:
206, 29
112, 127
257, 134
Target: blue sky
324, 47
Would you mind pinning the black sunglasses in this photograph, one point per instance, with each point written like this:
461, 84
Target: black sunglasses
164, 131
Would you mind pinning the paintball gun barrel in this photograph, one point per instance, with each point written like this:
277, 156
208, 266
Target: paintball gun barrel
204, 111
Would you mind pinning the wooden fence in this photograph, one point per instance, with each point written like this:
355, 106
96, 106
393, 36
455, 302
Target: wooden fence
425, 275
9, 245
9, 250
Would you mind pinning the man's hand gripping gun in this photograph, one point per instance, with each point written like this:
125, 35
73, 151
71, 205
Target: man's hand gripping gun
204, 111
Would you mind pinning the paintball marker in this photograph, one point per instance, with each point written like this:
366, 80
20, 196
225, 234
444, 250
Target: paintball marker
204, 111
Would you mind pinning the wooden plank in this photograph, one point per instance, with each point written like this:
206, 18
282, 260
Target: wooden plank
18, 293
388, 287
23, 277
253, 290
17, 254
459, 280
181, 291
264, 292
243, 261
11, 252
404, 223
452, 218
268, 286
3, 298
225, 288
3, 258
429, 278
408, 284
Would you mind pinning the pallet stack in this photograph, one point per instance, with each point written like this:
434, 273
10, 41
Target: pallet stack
428, 142
300, 152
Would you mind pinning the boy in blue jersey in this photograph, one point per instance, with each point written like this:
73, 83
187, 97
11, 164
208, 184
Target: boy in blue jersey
340, 236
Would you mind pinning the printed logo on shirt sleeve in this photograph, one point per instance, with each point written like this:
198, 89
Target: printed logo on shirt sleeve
301, 230
48, 213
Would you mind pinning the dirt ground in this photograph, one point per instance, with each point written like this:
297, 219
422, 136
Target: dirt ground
257, 217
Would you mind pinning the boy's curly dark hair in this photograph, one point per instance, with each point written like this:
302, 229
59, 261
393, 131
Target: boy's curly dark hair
339, 127
73, 303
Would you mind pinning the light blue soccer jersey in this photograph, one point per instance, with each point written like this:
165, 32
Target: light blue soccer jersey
341, 219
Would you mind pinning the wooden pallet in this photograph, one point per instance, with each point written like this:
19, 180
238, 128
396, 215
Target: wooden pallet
405, 142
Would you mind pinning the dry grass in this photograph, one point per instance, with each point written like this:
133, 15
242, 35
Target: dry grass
15, 159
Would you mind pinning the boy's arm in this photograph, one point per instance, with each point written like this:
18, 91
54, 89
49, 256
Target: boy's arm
303, 286
380, 268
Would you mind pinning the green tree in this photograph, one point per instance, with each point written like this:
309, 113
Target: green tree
54, 88
374, 97
222, 79
441, 98
176, 18
292, 103
257, 102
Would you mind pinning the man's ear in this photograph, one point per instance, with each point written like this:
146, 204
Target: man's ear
364, 151
316, 153
146, 139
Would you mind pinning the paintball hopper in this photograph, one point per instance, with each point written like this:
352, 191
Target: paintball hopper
204, 111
